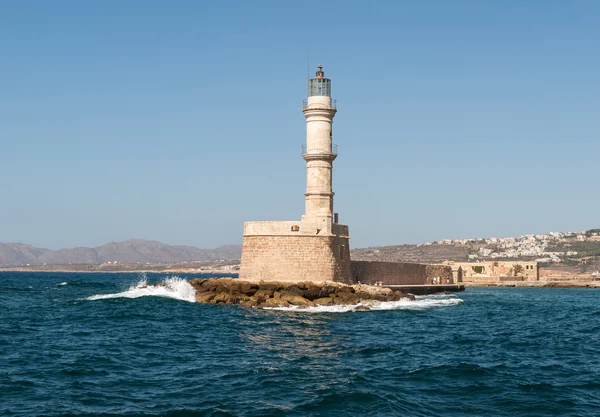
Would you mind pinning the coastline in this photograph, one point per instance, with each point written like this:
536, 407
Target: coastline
223, 274
227, 270
219, 268
536, 284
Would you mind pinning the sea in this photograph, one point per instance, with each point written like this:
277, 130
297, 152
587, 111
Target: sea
94, 344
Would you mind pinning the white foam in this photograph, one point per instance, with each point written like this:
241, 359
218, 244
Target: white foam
421, 303
172, 287
63, 283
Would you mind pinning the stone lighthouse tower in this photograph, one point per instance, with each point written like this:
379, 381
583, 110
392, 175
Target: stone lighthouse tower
316, 248
319, 110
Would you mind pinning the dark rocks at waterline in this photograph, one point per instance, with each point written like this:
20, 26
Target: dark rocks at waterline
285, 294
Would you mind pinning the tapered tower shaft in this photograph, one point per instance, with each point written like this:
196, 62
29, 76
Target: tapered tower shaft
319, 152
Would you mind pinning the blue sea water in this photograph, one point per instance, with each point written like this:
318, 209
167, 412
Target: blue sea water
99, 344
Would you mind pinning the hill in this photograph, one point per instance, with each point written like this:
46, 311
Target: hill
577, 250
130, 252
433, 253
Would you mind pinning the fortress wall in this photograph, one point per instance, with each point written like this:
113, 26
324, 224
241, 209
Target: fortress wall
295, 258
482, 279
442, 272
485, 271
340, 230
286, 228
519, 278
342, 266
399, 273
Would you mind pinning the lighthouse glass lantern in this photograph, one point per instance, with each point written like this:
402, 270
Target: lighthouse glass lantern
319, 86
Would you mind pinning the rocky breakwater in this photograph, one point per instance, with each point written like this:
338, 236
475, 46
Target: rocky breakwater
285, 294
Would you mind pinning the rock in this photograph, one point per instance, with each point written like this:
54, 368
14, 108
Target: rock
273, 302
258, 299
238, 298
221, 298
213, 284
364, 295
296, 300
302, 285
243, 287
347, 299
262, 293
345, 290
283, 294
295, 292
315, 291
312, 292
292, 290
385, 291
205, 298
362, 308
325, 301
269, 286
395, 296
196, 282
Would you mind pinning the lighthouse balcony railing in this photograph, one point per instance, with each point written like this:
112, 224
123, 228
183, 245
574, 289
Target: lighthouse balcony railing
318, 105
314, 151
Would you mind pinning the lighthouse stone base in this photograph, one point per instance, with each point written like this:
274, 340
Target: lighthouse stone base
295, 251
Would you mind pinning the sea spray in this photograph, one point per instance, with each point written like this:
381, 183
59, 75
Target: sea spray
421, 303
171, 287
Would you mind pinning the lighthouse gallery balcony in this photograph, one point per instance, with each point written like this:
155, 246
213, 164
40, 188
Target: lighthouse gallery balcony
315, 151
319, 105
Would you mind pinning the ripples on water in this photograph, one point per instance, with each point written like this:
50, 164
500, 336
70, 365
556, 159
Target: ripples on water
93, 344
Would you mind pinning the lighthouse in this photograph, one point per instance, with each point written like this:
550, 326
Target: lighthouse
319, 153
314, 248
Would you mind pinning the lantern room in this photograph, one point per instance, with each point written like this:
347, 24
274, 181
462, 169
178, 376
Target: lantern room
319, 86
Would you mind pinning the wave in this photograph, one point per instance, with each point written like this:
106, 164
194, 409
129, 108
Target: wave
171, 287
420, 303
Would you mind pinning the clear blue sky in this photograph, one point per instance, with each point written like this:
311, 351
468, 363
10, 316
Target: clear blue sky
178, 121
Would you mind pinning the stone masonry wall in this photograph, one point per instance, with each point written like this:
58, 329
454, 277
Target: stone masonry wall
443, 274
490, 271
295, 258
399, 273
341, 251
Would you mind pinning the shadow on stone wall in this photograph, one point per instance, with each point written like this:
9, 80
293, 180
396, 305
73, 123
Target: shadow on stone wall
400, 273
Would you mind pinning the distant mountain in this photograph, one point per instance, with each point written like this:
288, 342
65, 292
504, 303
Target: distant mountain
130, 252
19, 254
